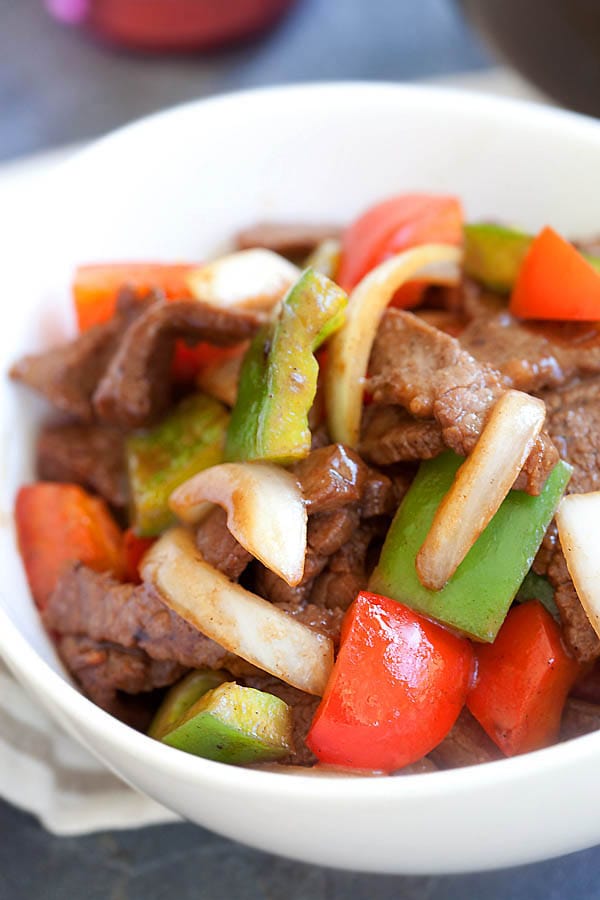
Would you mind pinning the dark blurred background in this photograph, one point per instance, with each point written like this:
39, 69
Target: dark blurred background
57, 85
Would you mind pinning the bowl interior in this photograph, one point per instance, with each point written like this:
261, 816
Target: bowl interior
176, 186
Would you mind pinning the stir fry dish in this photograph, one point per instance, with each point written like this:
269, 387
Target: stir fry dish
332, 499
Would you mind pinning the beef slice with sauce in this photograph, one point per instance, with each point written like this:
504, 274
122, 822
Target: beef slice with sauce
291, 239
87, 603
534, 356
135, 389
389, 434
90, 455
105, 670
67, 375
574, 426
428, 373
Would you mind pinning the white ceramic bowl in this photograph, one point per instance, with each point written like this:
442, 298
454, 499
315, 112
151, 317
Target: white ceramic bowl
176, 186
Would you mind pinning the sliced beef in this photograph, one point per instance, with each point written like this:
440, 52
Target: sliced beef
390, 435
467, 744
335, 591
328, 531
136, 388
133, 616
579, 717
331, 477
326, 620
219, 547
534, 356
378, 496
346, 574
273, 588
429, 374
320, 438
574, 426
420, 767
295, 240
303, 707
90, 455
69, 374
103, 668
579, 635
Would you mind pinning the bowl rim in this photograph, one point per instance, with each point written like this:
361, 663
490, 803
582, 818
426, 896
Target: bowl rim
30, 668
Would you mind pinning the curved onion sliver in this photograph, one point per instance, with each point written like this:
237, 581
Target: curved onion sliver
578, 520
265, 511
350, 348
480, 486
238, 620
248, 279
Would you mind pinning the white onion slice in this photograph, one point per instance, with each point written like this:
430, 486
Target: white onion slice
265, 508
238, 620
220, 379
480, 486
249, 279
578, 520
350, 348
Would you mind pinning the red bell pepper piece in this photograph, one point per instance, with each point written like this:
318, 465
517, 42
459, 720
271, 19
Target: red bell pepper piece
95, 287
395, 225
61, 523
556, 282
397, 687
523, 681
134, 548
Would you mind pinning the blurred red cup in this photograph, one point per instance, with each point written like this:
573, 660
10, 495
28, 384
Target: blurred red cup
171, 24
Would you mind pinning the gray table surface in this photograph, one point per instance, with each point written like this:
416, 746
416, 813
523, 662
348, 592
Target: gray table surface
57, 87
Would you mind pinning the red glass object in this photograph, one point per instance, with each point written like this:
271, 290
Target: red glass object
171, 24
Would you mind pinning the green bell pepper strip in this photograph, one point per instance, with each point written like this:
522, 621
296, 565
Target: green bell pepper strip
189, 439
181, 697
478, 596
493, 255
536, 587
234, 724
278, 380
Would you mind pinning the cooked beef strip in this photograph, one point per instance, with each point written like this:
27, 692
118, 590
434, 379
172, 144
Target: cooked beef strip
68, 375
587, 686
295, 240
273, 588
534, 356
421, 767
467, 744
328, 531
135, 390
331, 477
429, 374
90, 455
320, 438
319, 618
574, 426
103, 668
390, 435
219, 547
335, 591
133, 616
579, 717
378, 496
303, 707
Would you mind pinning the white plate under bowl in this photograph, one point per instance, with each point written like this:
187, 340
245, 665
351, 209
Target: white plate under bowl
176, 186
